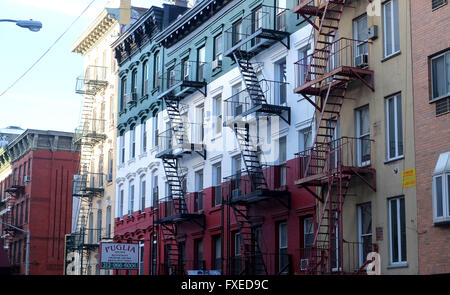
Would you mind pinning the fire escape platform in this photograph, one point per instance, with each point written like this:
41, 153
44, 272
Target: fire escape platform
268, 38
343, 71
305, 8
264, 109
258, 196
188, 87
178, 151
180, 217
322, 178
15, 189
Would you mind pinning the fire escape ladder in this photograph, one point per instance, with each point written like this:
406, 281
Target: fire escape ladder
175, 182
250, 154
169, 233
176, 120
252, 260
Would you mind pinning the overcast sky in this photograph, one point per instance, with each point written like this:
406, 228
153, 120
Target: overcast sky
45, 98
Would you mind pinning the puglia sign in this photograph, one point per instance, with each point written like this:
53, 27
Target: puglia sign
119, 256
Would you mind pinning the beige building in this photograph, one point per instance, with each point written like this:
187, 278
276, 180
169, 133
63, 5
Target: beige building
360, 74
94, 187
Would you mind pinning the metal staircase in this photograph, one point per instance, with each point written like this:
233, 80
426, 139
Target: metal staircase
327, 165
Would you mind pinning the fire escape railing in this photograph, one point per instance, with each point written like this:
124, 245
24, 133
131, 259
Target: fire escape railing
93, 80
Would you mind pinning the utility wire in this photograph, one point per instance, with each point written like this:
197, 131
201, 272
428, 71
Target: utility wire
51, 46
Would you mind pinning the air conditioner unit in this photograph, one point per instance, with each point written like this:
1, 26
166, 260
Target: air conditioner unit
362, 61
109, 177
26, 178
303, 264
217, 63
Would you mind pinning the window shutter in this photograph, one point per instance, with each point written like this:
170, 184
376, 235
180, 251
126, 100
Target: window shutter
438, 3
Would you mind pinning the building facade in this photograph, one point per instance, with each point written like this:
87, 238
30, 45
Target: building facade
431, 58
359, 79
94, 184
37, 198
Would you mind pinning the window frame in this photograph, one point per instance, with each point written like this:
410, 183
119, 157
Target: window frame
359, 136
446, 55
397, 100
362, 235
445, 192
392, 24
401, 260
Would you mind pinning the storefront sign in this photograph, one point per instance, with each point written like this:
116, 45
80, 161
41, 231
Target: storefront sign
119, 256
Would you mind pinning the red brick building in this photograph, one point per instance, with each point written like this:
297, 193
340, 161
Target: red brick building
430, 21
38, 199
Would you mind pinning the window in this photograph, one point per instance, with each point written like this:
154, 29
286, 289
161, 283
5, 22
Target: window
131, 198
237, 32
123, 91
282, 160
156, 70
397, 230
91, 229
186, 69
364, 231
145, 78
143, 136
394, 127
257, 23
218, 47
155, 189
361, 33
440, 75
441, 189
217, 180
236, 100
283, 260
391, 32
122, 146
142, 203
217, 247
200, 115
198, 246
305, 139
99, 224
100, 171
26, 210
237, 175
121, 199
102, 117
308, 232
132, 141
110, 165
155, 130
302, 57
141, 257
363, 136
282, 79
108, 221
171, 77
435, 4
154, 254
201, 58
237, 262
217, 113
199, 189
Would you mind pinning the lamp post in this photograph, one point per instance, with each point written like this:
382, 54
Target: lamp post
27, 265
32, 25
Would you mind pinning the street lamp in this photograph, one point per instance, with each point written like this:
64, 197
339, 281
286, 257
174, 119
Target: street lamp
32, 25
27, 266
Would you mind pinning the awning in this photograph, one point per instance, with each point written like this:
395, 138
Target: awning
443, 164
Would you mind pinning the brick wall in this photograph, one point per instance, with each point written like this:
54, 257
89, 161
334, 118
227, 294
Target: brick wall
432, 134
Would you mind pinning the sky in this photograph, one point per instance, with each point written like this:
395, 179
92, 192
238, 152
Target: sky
45, 98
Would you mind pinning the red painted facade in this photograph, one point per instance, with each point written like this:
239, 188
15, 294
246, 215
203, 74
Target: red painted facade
43, 206
302, 204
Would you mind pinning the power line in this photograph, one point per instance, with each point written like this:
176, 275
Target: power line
51, 46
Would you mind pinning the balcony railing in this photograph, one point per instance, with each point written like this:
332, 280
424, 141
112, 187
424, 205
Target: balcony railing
188, 137
90, 128
240, 184
354, 260
333, 58
88, 184
250, 31
345, 152
184, 75
241, 103
84, 238
93, 80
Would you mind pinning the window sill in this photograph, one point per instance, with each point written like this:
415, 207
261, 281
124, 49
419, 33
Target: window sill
439, 98
216, 71
394, 159
143, 97
442, 222
398, 265
131, 161
155, 90
142, 155
391, 56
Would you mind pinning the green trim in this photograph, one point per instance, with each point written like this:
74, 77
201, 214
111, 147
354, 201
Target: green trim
237, 16
123, 72
170, 63
185, 53
217, 29
200, 42
255, 3
144, 56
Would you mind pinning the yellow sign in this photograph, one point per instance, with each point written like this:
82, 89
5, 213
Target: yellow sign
409, 177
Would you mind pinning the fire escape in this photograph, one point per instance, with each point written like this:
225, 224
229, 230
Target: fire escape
331, 163
87, 184
262, 28
175, 84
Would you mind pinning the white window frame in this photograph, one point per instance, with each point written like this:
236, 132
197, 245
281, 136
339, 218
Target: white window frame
394, 18
445, 191
217, 168
308, 231
144, 137
218, 114
131, 193
142, 193
397, 98
401, 259
359, 136
122, 150
133, 142
356, 33
141, 257
361, 235
446, 56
